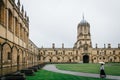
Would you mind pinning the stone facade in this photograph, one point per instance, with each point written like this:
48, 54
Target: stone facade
16, 50
82, 52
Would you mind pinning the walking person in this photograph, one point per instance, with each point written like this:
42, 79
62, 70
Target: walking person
102, 71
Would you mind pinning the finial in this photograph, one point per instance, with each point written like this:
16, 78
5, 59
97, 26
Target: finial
28, 19
22, 8
18, 3
25, 14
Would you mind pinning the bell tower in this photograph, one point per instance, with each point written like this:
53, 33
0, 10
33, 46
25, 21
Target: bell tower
83, 36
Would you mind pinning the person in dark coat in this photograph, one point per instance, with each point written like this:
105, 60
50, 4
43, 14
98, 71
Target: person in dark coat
102, 71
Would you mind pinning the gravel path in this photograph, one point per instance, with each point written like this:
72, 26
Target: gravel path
52, 67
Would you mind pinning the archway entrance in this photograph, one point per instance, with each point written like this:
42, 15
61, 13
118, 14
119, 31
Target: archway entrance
50, 60
85, 59
18, 62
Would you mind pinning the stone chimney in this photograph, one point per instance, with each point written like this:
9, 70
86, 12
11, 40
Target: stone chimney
104, 46
53, 45
96, 46
62, 45
118, 45
109, 45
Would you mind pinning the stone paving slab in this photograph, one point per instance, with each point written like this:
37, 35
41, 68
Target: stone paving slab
52, 67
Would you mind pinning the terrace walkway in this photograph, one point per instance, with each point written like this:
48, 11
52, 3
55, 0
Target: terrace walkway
52, 67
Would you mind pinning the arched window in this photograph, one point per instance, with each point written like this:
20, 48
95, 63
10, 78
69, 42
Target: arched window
76, 57
76, 52
97, 52
113, 52
10, 21
115, 57
85, 47
104, 58
21, 31
105, 52
16, 27
2, 21
27, 36
23, 34
110, 53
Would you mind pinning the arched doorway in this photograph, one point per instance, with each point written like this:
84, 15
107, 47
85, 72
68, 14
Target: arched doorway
50, 60
85, 59
18, 59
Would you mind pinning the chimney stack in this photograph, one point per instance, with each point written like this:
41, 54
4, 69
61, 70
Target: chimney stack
118, 45
109, 45
96, 45
62, 45
53, 45
104, 46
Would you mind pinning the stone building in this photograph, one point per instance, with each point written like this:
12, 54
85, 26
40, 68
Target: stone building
82, 52
16, 50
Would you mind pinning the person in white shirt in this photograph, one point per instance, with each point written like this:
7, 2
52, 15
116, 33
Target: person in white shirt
102, 72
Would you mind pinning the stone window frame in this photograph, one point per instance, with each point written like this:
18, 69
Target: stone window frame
10, 20
113, 52
2, 13
115, 57
97, 52
70, 53
110, 53
21, 30
95, 58
104, 52
16, 27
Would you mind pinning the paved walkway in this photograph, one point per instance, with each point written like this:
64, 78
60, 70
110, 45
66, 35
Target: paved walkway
52, 67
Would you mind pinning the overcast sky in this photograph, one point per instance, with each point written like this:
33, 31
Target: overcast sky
55, 21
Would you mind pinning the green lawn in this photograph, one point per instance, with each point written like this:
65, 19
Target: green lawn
47, 75
110, 68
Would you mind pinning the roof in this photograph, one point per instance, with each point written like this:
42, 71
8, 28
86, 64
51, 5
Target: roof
83, 22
